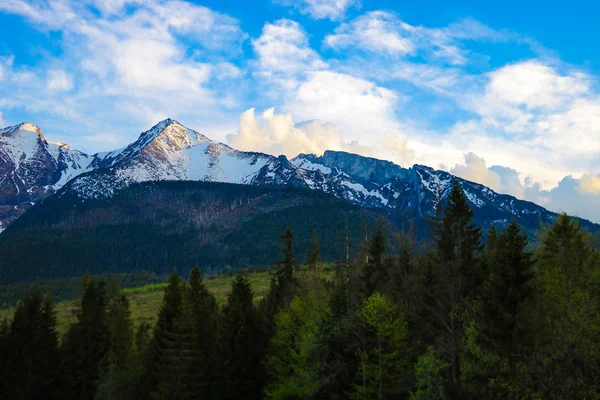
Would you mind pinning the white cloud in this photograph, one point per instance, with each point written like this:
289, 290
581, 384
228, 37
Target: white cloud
284, 54
384, 33
59, 81
376, 31
278, 134
321, 9
359, 107
128, 63
578, 197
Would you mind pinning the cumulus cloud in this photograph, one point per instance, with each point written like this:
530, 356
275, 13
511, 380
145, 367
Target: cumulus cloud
274, 133
501, 179
575, 196
321, 9
360, 107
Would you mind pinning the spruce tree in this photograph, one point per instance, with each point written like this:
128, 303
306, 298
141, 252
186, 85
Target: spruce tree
374, 272
458, 275
287, 265
180, 369
205, 317
120, 324
382, 352
121, 365
508, 286
460, 238
243, 347
283, 285
169, 310
567, 357
32, 348
86, 343
313, 253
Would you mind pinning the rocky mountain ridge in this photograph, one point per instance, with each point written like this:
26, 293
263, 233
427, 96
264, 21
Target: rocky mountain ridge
171, 152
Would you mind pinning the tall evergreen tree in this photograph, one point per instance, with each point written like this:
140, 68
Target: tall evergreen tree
508, 286
120, 324
383, 371
460, 238
287, 265
32, 348
283, 284
313, 253
567, 354
169, 310
374, 274
243, 348
180, 370
122, 363
457, 278
87, 342
205, 317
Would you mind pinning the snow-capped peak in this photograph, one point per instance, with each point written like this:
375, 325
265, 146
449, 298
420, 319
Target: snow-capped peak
24, 127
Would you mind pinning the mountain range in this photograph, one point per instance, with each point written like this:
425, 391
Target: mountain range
32, 168
175, 198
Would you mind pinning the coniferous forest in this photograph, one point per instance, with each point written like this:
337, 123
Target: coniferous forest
458, 316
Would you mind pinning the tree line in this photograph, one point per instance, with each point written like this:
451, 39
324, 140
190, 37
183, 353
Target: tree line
457, 317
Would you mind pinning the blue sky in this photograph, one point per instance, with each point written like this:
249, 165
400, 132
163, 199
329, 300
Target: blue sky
502, 93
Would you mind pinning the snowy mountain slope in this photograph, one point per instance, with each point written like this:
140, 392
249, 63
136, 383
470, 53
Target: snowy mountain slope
170, 151
32, 168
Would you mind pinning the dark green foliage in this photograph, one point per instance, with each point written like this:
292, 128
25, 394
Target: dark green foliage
87, 342
180, 371
444, 320
508, 286
29, 369
205, 319
287, 265
374, 272
243, 349
156, 226
169, 310
313, 253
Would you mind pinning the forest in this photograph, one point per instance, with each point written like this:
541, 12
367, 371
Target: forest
457, 316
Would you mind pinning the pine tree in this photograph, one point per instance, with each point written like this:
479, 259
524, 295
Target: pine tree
169, 310
313, 253
86, 343
283, 286
285, 272
180, 370
508, 286
374, 274
458, 275
205, 315
32, 348
122, 365
243, 348
460, 238
120, 324
382, 351
567, 355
